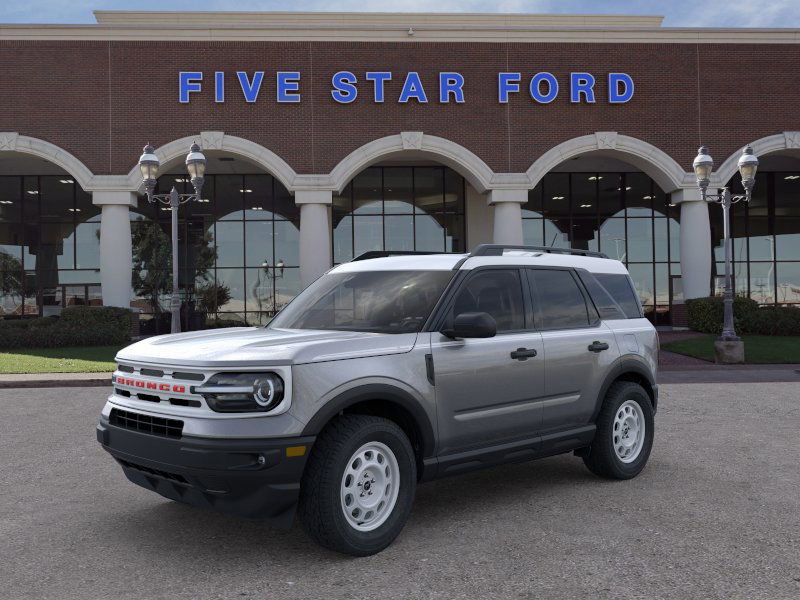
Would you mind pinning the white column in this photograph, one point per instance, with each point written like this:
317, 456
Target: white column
315, 233
116, 256
508, 215
695, 243
480, 219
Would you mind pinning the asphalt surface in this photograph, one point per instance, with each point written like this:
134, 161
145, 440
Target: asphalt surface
716, 514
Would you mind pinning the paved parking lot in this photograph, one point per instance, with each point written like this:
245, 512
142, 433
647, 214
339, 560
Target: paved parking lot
716, 514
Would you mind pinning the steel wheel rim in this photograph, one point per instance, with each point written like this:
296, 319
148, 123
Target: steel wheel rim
370, 486
629, 431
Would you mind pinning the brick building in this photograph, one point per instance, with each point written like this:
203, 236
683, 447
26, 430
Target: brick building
328, 135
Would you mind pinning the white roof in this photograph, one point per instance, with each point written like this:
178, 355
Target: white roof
446, 262
405, 262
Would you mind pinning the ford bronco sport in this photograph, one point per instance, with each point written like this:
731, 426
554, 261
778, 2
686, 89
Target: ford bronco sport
386, 372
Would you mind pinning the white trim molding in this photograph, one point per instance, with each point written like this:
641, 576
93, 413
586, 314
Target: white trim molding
11, 141
786, 141
656, 163
395, 27
442, 150
220, 141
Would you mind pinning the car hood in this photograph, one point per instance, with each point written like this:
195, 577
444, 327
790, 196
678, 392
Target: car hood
245, 346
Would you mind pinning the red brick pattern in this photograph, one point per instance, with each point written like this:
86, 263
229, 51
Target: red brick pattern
102, 100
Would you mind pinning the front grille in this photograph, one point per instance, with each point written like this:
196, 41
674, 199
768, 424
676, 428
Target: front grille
156, 472
187, 376
170, 428
152, 372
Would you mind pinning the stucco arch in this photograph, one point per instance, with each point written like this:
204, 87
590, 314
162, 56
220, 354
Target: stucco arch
787, 142
11, 141
661, 167
414, 143
218, 140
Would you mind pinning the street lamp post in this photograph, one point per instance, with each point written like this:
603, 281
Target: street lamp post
703, 165
196, 165
277, 273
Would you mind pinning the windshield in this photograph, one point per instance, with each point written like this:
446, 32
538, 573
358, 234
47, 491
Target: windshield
377, 301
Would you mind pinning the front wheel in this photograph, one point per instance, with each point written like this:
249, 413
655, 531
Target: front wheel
359, 484
624, 433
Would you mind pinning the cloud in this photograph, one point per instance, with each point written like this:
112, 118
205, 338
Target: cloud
678, 13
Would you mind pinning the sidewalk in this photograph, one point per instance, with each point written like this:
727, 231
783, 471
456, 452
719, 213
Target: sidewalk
52, 380
679, 370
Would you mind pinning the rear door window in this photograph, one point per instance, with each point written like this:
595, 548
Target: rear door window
559, 302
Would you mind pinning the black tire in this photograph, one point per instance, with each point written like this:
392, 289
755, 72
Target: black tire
601, 459
320, 507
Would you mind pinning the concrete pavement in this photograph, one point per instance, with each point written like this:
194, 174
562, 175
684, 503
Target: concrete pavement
716, 514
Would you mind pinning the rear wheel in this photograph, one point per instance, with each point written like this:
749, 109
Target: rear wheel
624, 433
358, 487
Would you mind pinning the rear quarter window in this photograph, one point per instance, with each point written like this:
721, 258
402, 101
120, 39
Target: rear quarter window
620, 288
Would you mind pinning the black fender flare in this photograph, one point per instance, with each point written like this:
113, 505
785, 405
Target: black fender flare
376, 391
619, 368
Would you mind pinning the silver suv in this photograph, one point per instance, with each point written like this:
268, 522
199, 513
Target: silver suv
386, 372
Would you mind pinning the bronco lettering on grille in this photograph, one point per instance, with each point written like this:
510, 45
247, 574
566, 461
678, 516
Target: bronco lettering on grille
150, 385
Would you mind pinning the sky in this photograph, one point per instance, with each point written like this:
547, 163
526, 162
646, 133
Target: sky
678, 13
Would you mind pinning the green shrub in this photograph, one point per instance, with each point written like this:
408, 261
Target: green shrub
782, 320
706, 315
220, 323
77, 326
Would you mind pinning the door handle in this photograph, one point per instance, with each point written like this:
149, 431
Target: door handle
598, 346
523, 354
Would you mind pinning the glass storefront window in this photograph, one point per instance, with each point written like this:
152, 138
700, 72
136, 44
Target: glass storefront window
399, 209
762, 282
49, 245
766, 234
639, 194
788, 279
235, 249
612, 239
624, 215
640, 240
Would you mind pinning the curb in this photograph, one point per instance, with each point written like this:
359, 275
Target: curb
54, 383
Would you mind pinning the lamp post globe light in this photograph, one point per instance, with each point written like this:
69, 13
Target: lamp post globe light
728, 348
196, 166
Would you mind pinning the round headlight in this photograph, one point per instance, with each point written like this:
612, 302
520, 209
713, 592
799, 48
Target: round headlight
242, 392
264, 392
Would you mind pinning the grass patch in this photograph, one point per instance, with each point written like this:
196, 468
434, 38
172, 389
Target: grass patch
84, 359
758, 349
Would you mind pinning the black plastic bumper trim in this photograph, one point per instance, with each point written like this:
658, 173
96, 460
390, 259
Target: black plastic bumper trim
244, 477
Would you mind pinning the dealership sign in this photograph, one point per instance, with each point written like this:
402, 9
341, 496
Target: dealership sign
346, 87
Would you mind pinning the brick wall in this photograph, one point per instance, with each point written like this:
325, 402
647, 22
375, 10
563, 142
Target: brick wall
102, 101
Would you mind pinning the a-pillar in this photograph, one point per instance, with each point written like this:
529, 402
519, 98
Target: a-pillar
507, 206
695, 243
116, 256
315, 233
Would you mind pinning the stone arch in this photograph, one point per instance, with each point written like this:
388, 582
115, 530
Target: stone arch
11, 141
444, 151
781, 142
218, 140
656, 163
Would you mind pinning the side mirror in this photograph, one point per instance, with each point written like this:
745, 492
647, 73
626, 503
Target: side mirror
472, 325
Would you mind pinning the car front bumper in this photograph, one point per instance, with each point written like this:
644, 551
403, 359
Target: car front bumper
256, 478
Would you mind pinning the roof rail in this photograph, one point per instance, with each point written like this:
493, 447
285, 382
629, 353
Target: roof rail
498, 249
384, 253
